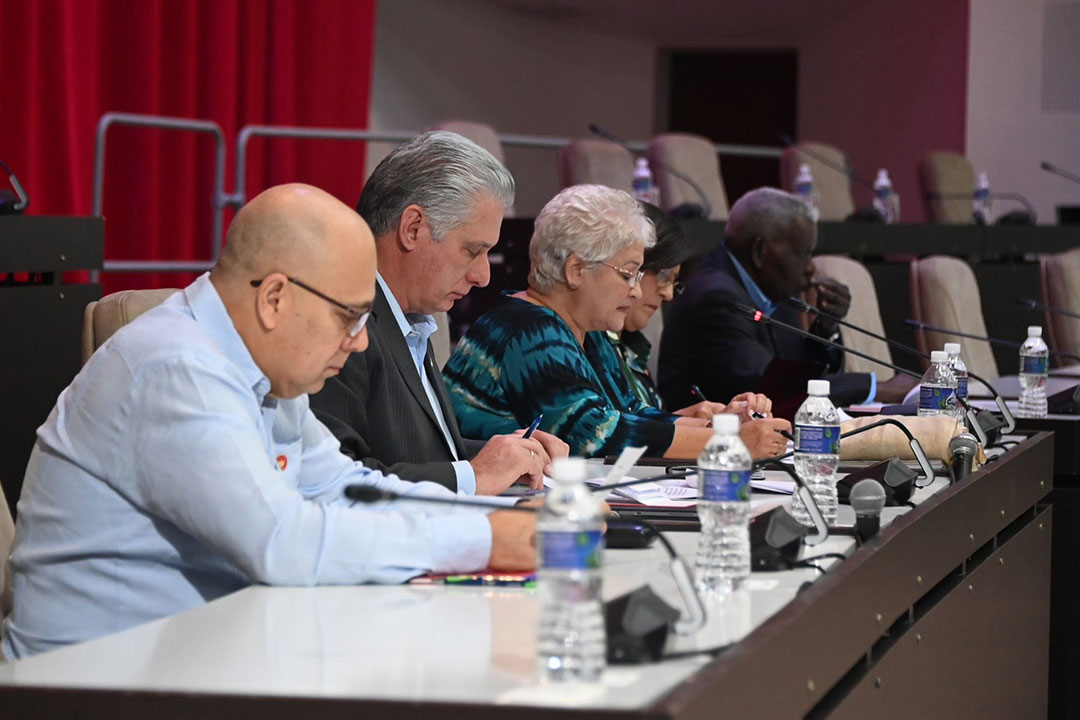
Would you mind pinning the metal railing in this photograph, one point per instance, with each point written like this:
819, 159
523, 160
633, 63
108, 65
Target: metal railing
220, 199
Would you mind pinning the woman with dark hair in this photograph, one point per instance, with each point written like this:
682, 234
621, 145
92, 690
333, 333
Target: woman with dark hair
664, 263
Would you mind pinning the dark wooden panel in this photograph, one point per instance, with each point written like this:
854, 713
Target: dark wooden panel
51, 244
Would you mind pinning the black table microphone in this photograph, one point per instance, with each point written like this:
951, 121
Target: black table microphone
1036, 305
962, 448
867, 500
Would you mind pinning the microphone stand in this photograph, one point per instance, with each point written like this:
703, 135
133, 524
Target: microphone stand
1036, 305
756, 315
1010, 422
984, 338
1028, 207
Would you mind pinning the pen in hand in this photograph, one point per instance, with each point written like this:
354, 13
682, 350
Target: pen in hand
695, 390
535, 424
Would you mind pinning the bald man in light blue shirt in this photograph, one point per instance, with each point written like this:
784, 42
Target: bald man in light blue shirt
183, 462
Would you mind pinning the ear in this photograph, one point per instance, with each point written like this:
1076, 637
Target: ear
574, 269
757, 251
271, 300
412, 227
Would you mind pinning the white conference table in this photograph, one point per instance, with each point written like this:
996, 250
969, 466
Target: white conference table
446, 646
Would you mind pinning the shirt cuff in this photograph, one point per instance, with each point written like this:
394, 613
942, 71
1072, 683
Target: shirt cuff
869, 398
466, 477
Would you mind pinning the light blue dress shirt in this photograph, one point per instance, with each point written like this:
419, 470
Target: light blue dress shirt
768, 307
166, 477
417, 329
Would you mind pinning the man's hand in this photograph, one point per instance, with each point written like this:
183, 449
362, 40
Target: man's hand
763, 437
507, 459
893, 390
833, 298
513, 540
553, 446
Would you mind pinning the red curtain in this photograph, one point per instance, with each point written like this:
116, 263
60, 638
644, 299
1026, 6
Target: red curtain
235, 62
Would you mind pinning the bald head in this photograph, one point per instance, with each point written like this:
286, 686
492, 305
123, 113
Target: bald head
296, 273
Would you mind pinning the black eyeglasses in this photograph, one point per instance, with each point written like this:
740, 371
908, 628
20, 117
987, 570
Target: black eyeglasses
667, 277
359, 319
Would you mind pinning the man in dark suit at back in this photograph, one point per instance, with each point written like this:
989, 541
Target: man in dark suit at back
765, 259
435, 205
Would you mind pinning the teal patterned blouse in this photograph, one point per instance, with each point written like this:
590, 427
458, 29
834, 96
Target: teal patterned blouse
519, 360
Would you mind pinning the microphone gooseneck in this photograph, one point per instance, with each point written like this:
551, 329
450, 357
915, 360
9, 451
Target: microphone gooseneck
1036, 305
984, 338
845, 171
1060, 172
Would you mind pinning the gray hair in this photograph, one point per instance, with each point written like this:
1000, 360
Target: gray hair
440, 171
593, 222
765, 212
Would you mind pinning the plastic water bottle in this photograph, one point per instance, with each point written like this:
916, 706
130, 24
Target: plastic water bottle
983, 203
960, 372
937, 395
571, 641
886, 201
724, 467
804, 189
817, 451
644, 189
1034, 362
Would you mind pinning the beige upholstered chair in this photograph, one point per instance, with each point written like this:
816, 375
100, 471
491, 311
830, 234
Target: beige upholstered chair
944, 294
1059, 280
864, 312
7, 536
440, 340
597, 162
695, 157
104, 317
833, 186
480, 133
942, 175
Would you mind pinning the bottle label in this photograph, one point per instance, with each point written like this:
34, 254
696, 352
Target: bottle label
725, 485
1036, 365
564, 550
937, 398
817, 439
961, 387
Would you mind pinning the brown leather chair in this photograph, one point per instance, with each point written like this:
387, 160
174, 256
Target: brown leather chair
944, 294
596, 162
695, 157
1059, 285
104, 317
943, 175
833, 186
864, 313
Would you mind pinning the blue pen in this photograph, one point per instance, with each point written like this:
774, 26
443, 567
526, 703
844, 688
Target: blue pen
535, 424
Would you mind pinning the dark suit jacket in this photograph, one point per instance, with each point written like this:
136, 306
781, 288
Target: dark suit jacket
708, 344
377, 407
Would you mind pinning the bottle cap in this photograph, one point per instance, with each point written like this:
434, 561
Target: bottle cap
568, 469
939, 356
725, 424
1034, 330
817, 388
882, 177
952, 348
642, 164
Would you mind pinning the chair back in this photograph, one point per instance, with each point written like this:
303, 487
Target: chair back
440, 340
944, 294
7, 537
948, 186
596, 162
695, 157
1059, 285
102, 318
833, 185
483, 135
864, 312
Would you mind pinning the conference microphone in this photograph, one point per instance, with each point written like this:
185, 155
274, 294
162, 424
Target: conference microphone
1010, 421
756, 315
12, 204
1060, 172
962, 448
984, 338
1028, 217
1036, 305
706, 206
637, 622
867, 500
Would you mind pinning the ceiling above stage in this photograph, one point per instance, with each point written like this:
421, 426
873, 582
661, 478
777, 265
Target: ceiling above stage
686, 22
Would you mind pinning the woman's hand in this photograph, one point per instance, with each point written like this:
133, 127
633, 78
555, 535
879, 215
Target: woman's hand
704, 410
763, 437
